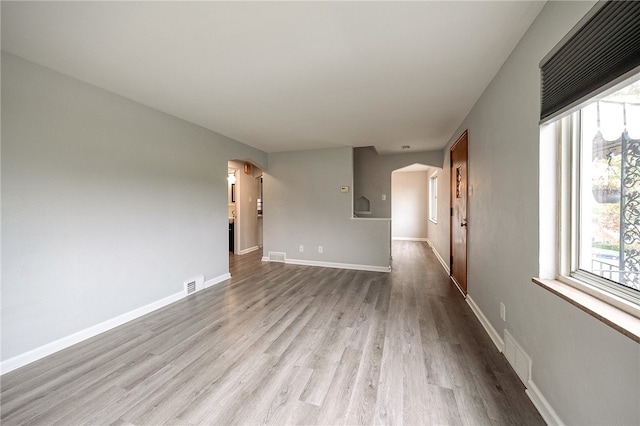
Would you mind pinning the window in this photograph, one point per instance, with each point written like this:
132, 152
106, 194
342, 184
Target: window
600, 193
433, 198
590, 166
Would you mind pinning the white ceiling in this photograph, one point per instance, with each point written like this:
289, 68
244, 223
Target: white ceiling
283, 76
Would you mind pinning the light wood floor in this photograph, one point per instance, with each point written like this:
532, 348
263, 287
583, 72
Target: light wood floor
286, 344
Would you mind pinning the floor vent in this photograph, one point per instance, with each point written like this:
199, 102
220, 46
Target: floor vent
194, 284
276, 256
517, 357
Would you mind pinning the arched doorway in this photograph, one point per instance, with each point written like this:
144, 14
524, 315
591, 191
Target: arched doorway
410, 202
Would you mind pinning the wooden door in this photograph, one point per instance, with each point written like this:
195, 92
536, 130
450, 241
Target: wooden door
458, 229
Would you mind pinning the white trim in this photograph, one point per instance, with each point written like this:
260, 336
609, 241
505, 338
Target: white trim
77, 337
440, 259
410, 239
542, 405
539, 401
217, 280
249, 250
57, 345
495, 336
457, 284
337, 265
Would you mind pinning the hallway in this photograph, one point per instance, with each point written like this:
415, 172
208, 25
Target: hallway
286, 344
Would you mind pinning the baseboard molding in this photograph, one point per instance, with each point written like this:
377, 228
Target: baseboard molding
542, 405
63, 343
249, 250
457, 285
338, 265
409, 239
217, 280
539, 401
440, 259
495, 336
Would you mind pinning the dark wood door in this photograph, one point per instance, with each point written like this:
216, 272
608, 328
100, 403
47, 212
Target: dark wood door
458, 262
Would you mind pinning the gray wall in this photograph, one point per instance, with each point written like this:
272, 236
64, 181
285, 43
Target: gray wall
372, 175
304, 206
107, 205
410, 205
587, 371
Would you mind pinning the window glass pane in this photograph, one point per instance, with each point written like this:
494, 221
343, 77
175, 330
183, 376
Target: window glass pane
609, 216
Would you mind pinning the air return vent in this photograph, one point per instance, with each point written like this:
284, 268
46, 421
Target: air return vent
517, 357
194, 284
276, 256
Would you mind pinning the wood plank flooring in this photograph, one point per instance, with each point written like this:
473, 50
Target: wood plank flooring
285, 344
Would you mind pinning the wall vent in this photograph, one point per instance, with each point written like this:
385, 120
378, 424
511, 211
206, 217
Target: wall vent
517, 357
276, 256
194, 284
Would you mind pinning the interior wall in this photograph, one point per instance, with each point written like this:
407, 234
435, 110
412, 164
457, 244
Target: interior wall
107, 205
305, 206
372, 175
588, 373
410, 205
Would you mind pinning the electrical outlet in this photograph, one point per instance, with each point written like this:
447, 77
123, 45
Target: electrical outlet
384, 197
320, 249
301, 248
503, 312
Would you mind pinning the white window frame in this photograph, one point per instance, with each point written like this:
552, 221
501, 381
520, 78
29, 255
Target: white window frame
568, 136
433, 198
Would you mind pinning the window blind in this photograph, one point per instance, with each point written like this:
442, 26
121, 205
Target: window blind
604, 48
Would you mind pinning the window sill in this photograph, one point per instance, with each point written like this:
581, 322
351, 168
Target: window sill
616, 318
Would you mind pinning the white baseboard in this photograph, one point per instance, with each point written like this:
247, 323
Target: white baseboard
542, 405
409, 239
217, 280
539, 401
249, 250
55, 346
440, 259
338, 265
63, 343
492, 332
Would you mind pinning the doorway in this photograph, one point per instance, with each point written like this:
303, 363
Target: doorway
459, 154
410, 202
245, 207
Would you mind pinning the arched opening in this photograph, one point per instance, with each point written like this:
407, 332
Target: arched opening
414, 204
410, 202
